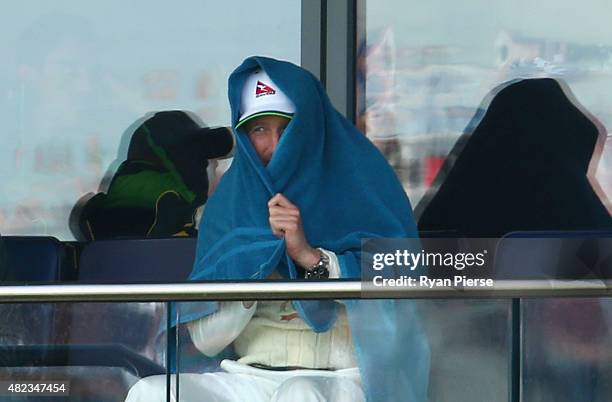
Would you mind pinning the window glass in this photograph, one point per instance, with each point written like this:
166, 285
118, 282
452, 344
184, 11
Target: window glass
445, 349
77, 76
425, 67
80, 351
566, 349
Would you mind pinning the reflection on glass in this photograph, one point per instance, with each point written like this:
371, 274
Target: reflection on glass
99, 349
75, 75
604, 173
470, 349
426, 66
264, 351
468, 342
567, 350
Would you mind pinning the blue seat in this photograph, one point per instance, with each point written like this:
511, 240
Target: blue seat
35, 259
126, 338
137, 326
32, 259
554, 255
140, 260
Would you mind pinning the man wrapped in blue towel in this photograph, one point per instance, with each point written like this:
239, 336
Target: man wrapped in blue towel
304, 188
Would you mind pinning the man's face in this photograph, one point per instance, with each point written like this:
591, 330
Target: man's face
264, 133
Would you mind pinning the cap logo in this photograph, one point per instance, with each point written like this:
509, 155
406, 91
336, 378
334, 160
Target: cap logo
262, 89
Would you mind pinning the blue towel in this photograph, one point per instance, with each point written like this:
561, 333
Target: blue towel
346, 191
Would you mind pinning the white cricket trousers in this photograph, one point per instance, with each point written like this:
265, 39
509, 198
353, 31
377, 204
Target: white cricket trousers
242, 383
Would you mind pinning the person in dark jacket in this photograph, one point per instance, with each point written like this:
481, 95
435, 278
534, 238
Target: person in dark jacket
528, 165
156, 191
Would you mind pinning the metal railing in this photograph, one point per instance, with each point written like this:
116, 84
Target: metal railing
283, 290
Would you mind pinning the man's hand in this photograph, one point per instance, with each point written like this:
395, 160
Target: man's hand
285, 221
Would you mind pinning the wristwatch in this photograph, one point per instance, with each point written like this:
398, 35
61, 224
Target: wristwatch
320, 270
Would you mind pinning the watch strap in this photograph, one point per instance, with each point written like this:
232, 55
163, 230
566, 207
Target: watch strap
320, 270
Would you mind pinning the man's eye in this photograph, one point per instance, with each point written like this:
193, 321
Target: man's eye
256, 130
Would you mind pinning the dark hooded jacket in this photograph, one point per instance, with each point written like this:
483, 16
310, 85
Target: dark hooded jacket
157, 189
523, 168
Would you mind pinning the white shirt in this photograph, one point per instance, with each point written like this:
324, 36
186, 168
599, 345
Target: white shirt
273, 334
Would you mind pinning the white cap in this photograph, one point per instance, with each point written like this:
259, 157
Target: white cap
261, 97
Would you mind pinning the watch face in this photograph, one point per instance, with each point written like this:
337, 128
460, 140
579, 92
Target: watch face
321, 269
319, 272
323, 272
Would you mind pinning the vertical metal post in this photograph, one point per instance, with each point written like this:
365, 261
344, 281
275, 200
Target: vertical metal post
516, 338
168, 351
341, 55
177, 350
313, 37
360, 63
329, 48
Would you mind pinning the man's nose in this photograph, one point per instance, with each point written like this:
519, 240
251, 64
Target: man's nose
276, 137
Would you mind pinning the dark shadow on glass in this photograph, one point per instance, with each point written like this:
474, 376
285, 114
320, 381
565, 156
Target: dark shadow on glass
528, 165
